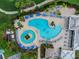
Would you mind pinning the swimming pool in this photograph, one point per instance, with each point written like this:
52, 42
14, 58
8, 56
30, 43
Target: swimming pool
44, 29
30, 39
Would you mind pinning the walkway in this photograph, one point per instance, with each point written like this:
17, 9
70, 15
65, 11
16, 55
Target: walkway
8, 12
27, 9
38, 5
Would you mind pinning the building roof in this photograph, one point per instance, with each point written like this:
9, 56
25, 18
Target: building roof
74, 22
76, 41
67, 54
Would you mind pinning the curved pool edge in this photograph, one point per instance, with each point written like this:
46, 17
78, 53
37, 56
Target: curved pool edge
23, 46
43, 26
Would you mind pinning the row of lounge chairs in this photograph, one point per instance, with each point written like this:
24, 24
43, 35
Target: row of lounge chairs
38, 14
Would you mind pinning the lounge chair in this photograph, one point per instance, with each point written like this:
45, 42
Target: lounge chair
31, 15
58, 7
52, 14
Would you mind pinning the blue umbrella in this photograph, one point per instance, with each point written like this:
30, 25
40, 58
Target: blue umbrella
38, 13
44, 14
23, 47
28, 48
27, 16
20, 45
32, 47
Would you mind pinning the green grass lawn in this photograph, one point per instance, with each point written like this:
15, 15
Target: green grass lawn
28, 56
8, 5
5, 21
76, 2
77, 54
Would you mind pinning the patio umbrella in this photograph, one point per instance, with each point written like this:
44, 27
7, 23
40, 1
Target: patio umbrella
27, 16
44, 14
38, 13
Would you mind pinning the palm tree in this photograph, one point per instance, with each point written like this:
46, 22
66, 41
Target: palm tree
23, 4
29, 55
43, 48
47, 46
21, 18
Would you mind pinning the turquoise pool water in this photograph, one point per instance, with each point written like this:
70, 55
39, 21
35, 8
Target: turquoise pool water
44, 29
30, 40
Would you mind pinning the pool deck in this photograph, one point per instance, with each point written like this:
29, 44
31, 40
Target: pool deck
36, 41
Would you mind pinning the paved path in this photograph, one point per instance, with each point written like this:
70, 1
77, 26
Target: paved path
27, 9
8, 12
40, 4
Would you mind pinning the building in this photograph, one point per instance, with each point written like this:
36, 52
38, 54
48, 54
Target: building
67, 54
9, 35
1, 54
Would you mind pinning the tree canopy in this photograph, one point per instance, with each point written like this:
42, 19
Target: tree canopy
23, 3
74, 2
